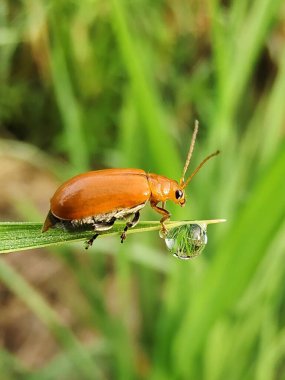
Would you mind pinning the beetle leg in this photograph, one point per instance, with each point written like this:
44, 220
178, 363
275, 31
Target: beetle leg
162, 211
130, 224
89, 242
103, 226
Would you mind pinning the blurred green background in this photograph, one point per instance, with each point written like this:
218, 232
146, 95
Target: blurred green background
93, 84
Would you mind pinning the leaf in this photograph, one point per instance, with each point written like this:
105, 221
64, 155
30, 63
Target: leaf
19, 236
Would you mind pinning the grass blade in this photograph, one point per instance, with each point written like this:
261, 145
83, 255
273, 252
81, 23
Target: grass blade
20, 236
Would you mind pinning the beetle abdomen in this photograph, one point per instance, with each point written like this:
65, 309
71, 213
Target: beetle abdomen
100, 222
108, 217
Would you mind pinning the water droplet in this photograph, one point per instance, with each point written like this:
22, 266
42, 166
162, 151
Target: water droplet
187, 241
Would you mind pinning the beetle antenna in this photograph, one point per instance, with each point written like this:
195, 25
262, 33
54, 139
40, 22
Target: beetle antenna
196, 127
184, 184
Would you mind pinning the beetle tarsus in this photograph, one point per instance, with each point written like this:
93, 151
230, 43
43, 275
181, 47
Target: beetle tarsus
163, 231
123, 237
89, 242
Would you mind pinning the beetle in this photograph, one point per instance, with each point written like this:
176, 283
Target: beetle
97, 199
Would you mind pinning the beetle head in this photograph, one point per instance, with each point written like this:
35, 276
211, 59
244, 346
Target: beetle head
178, 196
164, 189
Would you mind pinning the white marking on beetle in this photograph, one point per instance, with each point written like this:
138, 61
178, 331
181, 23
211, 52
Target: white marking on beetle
100, 221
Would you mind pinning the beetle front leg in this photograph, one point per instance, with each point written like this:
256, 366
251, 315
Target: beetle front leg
130, 224
166, 215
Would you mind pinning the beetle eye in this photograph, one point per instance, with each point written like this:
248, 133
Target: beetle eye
178, 194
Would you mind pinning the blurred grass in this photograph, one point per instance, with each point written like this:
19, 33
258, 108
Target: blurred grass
76, 353
120, 84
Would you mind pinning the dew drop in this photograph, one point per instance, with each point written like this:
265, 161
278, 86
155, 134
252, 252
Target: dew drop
187, 241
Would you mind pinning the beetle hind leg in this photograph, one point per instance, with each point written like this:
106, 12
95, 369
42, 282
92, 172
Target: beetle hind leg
99, 226
89, 242
130, 224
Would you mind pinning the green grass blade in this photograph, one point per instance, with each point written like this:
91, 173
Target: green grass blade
18, 236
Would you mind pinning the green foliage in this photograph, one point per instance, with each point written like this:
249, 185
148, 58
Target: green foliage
119, 84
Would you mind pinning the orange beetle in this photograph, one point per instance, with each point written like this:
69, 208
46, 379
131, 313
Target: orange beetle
97, 199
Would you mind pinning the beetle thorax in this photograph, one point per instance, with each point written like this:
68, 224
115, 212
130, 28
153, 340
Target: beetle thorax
162, 188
